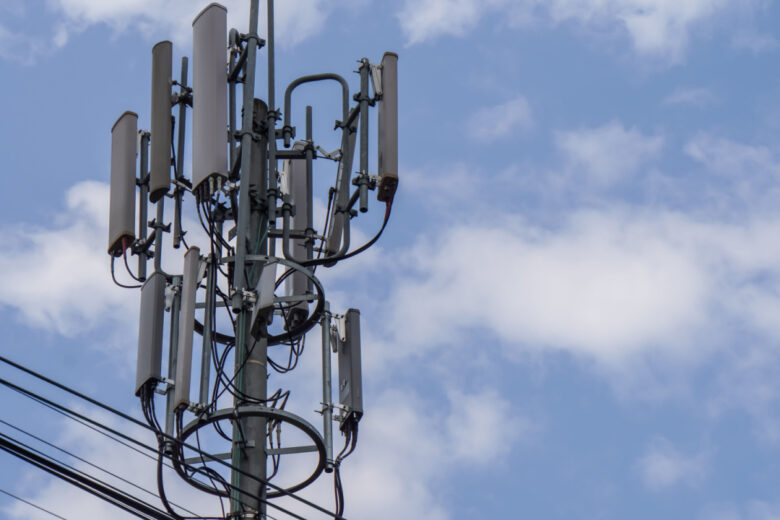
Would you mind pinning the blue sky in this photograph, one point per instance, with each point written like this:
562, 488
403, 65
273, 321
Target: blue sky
572, 313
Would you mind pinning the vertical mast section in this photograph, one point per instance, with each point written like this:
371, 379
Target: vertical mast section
248, 452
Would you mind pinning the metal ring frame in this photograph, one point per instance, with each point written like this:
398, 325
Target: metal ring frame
270, 414
314, 317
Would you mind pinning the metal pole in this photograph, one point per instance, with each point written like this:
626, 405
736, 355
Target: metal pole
246, 159
173, 351
327, 404
271, 126
208, 312
232, 101
309, 192
144, 205
179, 191
158, 234
248, 451
363, 180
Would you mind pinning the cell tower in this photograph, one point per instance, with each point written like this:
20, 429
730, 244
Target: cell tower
249, 294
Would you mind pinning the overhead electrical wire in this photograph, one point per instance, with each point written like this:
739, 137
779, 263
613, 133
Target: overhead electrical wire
43, 400
89, 484
32, 504
95, 402
91, 464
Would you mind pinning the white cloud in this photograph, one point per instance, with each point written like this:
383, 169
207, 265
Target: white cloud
500, 120
428, 19
19, 47
608, 153
296, 21
755, 42
59, 279
659, 28
607, 285
731, 158
404, 453
662, 466
692, 96
481, 426
409, 446
751, 510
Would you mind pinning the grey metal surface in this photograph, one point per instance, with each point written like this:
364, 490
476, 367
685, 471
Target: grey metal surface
309, 188
186, 326
179, 172
337, 243
158, 234
327, 398
254, 410
173, 353
287, 129
365, 69
350, 375
298, 181
143, 201
150, 330
387, 126
209, 110
121, 219
160, 155
205, 354
250, 460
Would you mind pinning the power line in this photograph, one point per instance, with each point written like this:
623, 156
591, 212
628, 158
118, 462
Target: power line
108, 408
89, 484
91, 464
70, 413
36, 506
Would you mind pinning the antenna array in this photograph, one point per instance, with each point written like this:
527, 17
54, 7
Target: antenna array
254, 200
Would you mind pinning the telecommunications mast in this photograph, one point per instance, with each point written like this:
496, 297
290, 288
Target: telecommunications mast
225, 307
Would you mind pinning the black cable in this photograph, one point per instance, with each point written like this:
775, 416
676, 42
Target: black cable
36, 506
86, 482
61, 463
66, 452
43, 400
330, 259
147, 405
127, 268
161, 487
113, 277
203, 460
279, 489
351, 434
70, 413
338, 489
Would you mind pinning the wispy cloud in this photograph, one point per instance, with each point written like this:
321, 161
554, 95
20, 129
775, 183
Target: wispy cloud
57, 279
663, 466
655, 29
755, 42
608, 153
691, 96
501, 120
296, 21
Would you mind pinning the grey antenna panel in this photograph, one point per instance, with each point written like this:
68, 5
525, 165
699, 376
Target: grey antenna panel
189, 289
209, 94
124, 148
298, 283
150, 331
265, 297
387, 128
160, 154
350, 375
342, 194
